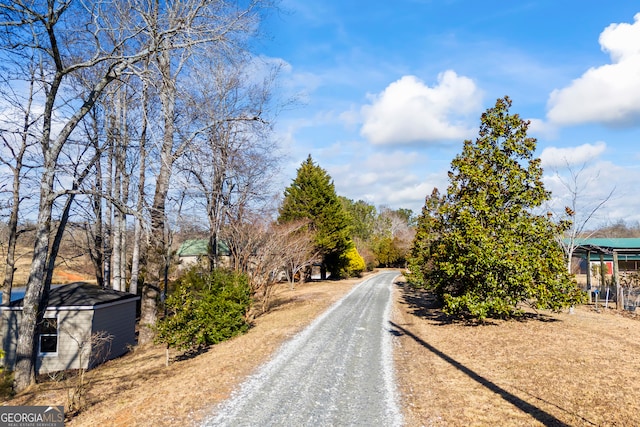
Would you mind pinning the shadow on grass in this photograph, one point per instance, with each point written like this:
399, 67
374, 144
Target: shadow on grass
190, 354
539, 414
425, 304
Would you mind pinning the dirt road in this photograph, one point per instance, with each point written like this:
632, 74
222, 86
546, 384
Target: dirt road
338, 371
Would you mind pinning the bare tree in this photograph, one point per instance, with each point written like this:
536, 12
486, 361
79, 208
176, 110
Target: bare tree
63, 39
255, 254
93, 348
138, 249
264, 251
579, 210
94, 225
230, 166
208, 25
60, 39
298, 250
16, 143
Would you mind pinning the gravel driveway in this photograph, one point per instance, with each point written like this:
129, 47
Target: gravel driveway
337, 372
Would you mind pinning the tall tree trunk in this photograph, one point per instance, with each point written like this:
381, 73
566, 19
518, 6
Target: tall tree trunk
116, 237
108, 209
96, 245
12, 227
123, 237
137, 232
33, 298
125, 181
158, 245
155, 255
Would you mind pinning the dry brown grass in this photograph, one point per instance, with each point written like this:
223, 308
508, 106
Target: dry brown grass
555, 369
558, 369
138, 390
70, 266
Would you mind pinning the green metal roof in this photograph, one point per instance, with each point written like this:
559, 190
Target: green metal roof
626, 246
610, 243
200, 247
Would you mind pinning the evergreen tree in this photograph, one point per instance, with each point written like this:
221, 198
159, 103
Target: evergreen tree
312, 196
426, 231
490, 251
363, 216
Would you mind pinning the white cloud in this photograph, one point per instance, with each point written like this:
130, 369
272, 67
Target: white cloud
559, 157
609, 94
395, 179
542, 128
409, 111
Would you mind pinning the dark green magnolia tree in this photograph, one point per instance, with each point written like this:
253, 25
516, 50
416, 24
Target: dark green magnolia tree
312, 196
487, 251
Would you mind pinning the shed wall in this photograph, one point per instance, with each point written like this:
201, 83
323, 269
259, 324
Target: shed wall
74, 330
119, 321
74, 334
10, 322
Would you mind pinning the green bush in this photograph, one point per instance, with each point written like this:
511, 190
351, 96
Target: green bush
206, 308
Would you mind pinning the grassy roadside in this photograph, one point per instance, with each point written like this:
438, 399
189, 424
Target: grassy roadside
558, 369
580, 369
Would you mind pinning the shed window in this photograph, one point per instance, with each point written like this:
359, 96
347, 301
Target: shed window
48, 335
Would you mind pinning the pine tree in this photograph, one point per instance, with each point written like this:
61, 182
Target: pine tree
312, 196
491, 251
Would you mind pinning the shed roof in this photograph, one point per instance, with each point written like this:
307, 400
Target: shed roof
81, 294
200, 247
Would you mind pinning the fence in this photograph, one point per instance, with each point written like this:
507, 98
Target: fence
607, 293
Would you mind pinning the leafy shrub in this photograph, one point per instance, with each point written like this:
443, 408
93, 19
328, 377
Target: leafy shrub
206, 308
355, 262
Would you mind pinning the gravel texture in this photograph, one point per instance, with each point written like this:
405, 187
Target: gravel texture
337, 372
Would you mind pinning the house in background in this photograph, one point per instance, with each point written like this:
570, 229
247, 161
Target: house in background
623, 252
195, 251
77, 314
611, 267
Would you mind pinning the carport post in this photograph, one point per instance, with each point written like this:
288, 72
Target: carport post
589, 275
616, 281
603, 272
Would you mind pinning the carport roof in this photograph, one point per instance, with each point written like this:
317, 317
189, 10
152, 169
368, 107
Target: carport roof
608, 245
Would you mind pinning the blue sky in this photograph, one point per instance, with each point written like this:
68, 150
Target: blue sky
388, 92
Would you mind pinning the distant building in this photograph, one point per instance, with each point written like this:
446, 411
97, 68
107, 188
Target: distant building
195, 251
608, 263
626, 251
76, 313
